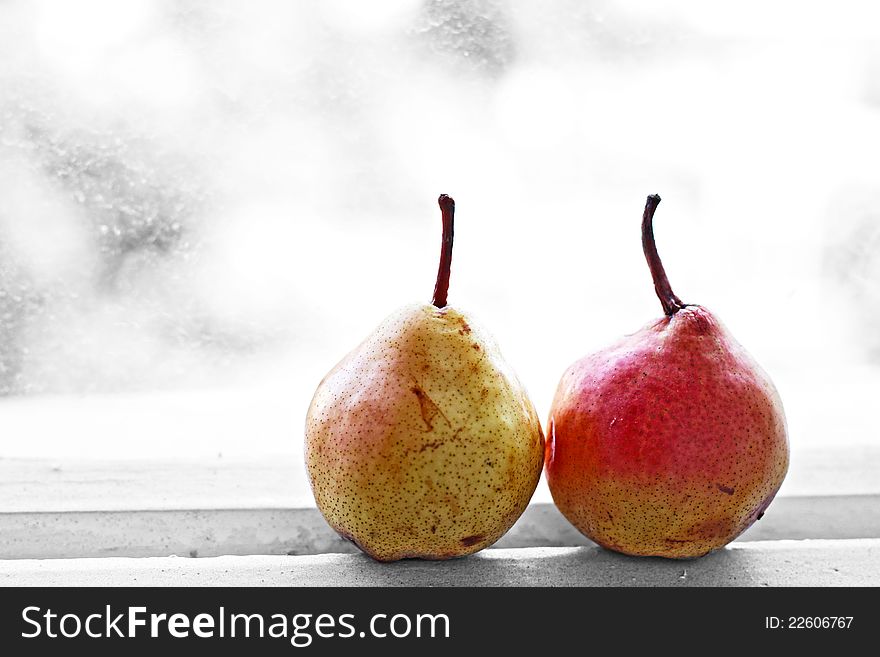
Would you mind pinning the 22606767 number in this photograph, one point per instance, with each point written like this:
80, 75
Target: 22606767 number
808, 622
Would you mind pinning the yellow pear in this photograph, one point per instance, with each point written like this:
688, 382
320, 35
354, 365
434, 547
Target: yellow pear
422, 442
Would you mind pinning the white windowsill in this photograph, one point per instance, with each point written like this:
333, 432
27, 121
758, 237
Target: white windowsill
852, 562
58, 514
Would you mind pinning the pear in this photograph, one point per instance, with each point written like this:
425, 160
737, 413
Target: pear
422, 443
671, 442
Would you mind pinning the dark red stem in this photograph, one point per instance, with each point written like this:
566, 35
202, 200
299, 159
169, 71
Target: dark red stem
441, 289
671, 303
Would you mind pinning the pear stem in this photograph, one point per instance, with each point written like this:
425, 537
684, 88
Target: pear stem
441, 288
671, 303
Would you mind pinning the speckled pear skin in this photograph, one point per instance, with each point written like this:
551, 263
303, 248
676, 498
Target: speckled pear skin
422, 442
670, 443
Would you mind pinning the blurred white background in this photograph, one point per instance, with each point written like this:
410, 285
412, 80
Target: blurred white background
205, 204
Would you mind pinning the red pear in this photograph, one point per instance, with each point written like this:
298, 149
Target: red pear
672, 441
